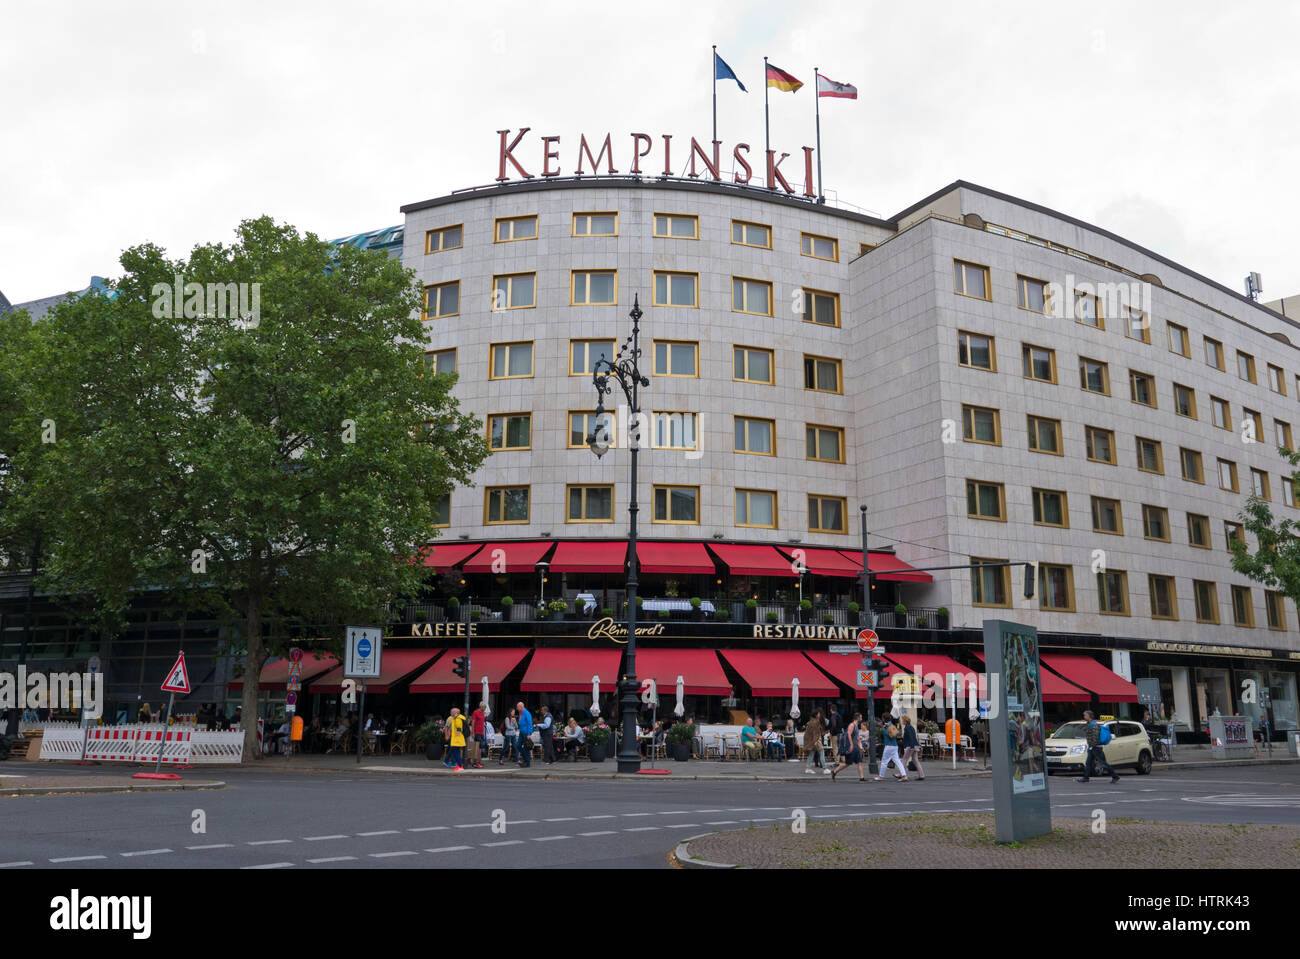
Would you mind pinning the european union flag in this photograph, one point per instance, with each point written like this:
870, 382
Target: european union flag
723, 72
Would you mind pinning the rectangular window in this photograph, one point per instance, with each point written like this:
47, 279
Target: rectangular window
442, 300
1233, 533
1033, 295
989, 584
1207, 601
511, 228
676, 289
1056, 588
755, 436
1213, 353
441, 361
822, 374
1198, 531
1039, 363
510, 431
1150, 457
1155, 523
1282, 435
1256, 425
981, 425
752, 364
444, 238
677, 226
1275, 605
1276, 379
1107, 516
1142, 388
676, 504
1288, 490
590, 504
1178, 341
985, 500
1050, 508
584, 423
1045, 435
1228, 476
822, 247
1220, 413
1184, 401
1087, 310
514, 291
827, 514
603, 223
674, 430
756, 507
745, 233
821, 308
511, 360
971, 279
442, 511
824, 443
1137, 326
676, 358
1101, 445
1094, 376
583, 355
976, 350
1246, 366
1164, 597
1112, 593
505, 504
1191, 461
1259, 484
751, 296
1243, 609
593, 287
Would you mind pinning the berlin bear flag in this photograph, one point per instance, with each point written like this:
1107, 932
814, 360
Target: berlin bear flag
827, 87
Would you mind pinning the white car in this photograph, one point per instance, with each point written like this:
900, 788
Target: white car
1067, 747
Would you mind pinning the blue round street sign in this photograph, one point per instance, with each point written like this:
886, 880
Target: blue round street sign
363, 648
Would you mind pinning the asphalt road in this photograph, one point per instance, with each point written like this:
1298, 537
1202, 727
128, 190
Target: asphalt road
279, 820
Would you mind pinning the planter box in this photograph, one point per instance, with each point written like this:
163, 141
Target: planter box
597, 753
681, 752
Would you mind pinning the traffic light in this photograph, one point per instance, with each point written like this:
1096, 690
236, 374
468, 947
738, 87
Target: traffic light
461, 668
1029, 581
882, 665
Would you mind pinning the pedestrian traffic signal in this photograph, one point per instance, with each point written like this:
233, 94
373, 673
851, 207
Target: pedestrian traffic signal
461, 668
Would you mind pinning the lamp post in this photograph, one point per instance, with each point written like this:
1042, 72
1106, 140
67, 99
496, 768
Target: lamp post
625, 369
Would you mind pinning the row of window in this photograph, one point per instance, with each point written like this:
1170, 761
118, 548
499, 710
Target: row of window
1034, 295
518, 291
990, 586
673, 226
594, 503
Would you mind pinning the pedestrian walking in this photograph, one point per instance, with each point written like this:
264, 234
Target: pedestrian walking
546, 726
911, 747
812, 745
478, 729
890, 753
456, 740
850, 750
509, 739
525, 745
1097, 737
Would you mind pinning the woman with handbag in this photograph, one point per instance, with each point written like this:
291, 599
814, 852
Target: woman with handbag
911, 747
890, 753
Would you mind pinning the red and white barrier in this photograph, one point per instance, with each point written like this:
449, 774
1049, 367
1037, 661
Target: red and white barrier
175, 747
114, 744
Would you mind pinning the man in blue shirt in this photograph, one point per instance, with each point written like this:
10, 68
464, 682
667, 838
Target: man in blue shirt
525, 731
749, 739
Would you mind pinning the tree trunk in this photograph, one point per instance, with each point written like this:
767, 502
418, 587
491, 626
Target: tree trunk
256, 658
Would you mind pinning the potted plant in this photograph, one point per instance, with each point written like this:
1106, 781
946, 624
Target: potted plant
453, 608
607, 613
597, 737
421, 615
696, 604
557, 608
751, 610
432, 738
773, 616
680, 737
723, 613
506, 603
475, 614
805, 607
664, 614
853, 611
828, 619
941, 617
923, 622
900, 615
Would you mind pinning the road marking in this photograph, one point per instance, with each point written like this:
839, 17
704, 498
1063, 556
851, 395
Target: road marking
386, 855
522, 822
742, 809
682, 825
603, 832
709, 810
147, 852
378, 832
641, 829
605, 816
549, 838
25, 862
1247, 799
684, 812
270, 842
449, 849
472, 825
631, 814
723, 822
78, 858
427, 828
271, 865
508, 842
214, 845
334, 859
320, 838
561, 819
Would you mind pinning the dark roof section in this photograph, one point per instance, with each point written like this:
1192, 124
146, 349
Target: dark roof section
38, 308
4, 303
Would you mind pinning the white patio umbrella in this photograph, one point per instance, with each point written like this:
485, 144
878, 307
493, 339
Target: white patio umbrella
679, 710
487, 710
794, 696
595, 695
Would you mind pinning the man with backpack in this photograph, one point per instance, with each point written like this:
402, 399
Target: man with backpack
1097, 736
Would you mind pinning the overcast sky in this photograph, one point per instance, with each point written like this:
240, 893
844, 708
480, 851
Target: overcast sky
1171, 124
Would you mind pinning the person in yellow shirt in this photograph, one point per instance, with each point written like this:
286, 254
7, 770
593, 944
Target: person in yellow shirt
455, 740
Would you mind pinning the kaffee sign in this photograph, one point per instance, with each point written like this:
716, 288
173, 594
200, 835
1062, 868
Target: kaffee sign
513, 156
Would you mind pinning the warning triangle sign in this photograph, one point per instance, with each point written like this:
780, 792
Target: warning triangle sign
178, 680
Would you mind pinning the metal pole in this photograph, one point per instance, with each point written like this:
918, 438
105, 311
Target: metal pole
361, 721
171, 698
713, 68
629, 756
468, 640
866, 606
817, 99
767, 133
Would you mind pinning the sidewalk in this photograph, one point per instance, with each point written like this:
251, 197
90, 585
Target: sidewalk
104, 779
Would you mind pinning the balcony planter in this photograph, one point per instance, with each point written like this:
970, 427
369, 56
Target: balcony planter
805, 610
751, 610
772, 616
452, 610
900, 616
828, 619
941, 617
723, 615
506, 603
855, 614
557, 608
922, 622
696, 610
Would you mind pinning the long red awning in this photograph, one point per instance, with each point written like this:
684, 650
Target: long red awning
1085, 671
513, 557
443, 556
931, 668
769, 672
275, 675
1054, 688
700, 670
684, 558
495, 664
753, 560
395, 665
570, 670
824, 562
888, 567
579, 556
844, 669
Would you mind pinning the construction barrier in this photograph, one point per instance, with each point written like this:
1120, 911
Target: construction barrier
114, 744
61, 742
217, 747
140, 743
175, 747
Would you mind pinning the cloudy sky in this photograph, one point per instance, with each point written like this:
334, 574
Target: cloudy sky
1172, 124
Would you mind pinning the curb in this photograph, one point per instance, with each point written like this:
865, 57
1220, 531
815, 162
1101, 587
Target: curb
74, 790
684, 858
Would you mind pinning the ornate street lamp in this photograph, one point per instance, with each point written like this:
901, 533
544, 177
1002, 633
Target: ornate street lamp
626, 371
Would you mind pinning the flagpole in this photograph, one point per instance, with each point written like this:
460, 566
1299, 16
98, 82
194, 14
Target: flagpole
817, 98
767, 133
713, 68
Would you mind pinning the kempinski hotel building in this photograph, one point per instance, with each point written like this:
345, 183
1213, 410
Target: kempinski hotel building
994, 381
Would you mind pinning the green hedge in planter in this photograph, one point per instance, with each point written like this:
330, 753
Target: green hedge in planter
773, 616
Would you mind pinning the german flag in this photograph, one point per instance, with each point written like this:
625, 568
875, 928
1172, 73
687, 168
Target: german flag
776, 77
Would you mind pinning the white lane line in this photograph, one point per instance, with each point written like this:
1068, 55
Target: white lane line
722, 822
271, 865
508, 842
550, 838
603, 832
378, 832
631, 814
77, 858
427, 828
682, 825
603, 816
684, 812
449, 849
562, 819
710, 810
214, 845
25, 862
334, 859
521, 822
386, 855
270, 842
641, 829
472, 825
147, 852
742, 809
321, 838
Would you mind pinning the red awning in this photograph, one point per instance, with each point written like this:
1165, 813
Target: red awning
443, 556
517, 557
1056, 689
495, 664
684, 558
889, 567
570, 670
753, 560
1085, 671
824, 562
769, 672
844, 669
396, 665
932, 668
700, 670
275, 675
577, 556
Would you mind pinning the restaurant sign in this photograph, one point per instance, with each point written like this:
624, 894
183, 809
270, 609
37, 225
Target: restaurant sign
608, 629
436, 630
783, 631
1155, 646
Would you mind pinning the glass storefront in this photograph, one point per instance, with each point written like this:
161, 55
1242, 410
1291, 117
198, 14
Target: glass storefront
1213, 694
1250, 685
1282, 688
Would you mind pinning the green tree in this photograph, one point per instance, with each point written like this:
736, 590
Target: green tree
1276, 563
278, 465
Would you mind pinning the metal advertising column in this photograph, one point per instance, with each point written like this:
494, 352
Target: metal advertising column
364, 649
1020, 798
